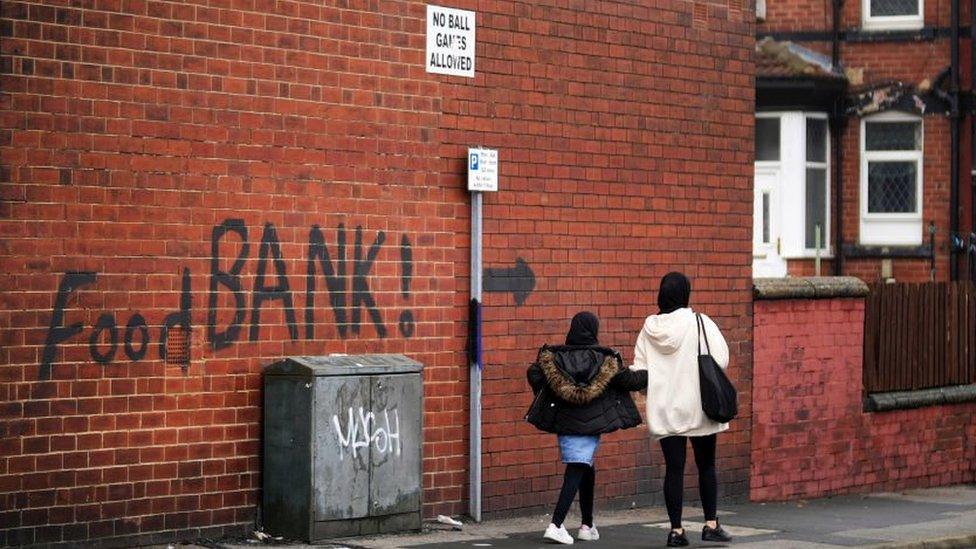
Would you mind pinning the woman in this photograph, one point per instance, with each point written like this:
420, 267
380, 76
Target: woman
667, 348
581, 391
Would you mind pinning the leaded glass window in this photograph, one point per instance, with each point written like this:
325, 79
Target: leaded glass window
889, 8
893, 154
892, 14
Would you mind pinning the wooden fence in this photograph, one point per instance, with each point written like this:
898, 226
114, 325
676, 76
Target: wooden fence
918, 336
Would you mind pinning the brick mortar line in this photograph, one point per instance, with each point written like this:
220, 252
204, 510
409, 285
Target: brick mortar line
204, 108
204, 7
715, 126
432, 78
211, 24
714, 135
330, 56
576, 21
154, 70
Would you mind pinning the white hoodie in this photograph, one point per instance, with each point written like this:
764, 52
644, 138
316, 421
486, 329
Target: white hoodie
667, 348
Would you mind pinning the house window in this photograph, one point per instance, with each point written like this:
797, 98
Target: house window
767, 139
892, 14
815, 220
891, 180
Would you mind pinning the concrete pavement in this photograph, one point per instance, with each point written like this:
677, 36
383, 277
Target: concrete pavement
930, 518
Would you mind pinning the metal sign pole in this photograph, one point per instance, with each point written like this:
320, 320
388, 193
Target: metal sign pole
474, 467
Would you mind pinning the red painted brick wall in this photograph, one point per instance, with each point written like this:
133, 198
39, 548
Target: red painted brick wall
136, 133
810, 435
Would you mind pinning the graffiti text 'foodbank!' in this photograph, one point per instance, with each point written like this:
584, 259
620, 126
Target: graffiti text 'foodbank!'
349, 293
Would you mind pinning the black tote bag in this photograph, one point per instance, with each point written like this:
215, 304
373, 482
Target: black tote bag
720, 401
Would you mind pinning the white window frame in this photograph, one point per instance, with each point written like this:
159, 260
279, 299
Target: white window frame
778, 115
793, 169
892, 229
825, 233
892, 22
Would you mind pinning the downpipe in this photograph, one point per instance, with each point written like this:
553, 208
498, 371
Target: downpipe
955, 242
837, 125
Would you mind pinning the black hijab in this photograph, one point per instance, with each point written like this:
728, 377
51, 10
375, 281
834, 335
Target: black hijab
583, 329
674, 293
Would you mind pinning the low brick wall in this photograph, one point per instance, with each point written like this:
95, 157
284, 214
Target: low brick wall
810, 435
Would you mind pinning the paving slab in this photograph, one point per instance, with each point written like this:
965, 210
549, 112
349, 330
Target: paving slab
955, 495
938, 518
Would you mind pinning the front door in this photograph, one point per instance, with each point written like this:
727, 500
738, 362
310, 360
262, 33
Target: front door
766, 259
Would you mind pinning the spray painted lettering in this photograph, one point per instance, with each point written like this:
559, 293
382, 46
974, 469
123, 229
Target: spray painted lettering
135, 347
363, 429
336, 281
104, 337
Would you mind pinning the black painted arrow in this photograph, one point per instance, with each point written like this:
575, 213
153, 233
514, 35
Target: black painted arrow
520, 280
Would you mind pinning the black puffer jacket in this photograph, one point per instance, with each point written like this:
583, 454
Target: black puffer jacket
583, 390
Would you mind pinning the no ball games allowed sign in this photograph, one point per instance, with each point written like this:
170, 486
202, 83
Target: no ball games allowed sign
450, 41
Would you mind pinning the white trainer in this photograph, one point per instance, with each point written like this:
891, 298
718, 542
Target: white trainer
587, 533
558, 534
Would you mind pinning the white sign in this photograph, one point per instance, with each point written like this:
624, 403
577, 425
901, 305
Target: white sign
450, 41
482, 170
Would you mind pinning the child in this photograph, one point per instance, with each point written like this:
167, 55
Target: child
581, 391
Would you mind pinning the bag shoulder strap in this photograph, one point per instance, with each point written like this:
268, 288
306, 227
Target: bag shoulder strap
700, 324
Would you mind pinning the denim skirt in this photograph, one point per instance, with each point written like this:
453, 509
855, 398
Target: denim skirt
578, 448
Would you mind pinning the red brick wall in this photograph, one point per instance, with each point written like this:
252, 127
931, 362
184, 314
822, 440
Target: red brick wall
935, 208
810, 435
935, 203
884, 62
615, 143
812, 15
135, 133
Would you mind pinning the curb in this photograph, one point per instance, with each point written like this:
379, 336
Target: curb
959, 542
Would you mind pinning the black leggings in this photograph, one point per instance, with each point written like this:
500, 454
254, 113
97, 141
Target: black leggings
578, 476
674, 458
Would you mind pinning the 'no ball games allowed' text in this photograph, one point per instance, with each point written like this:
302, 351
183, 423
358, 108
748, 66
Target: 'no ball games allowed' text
450, 41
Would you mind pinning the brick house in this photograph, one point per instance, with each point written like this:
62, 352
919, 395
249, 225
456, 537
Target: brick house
862, 168
856, 105
190, 191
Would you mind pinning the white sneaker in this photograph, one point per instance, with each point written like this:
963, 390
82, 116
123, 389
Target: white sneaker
558, 534
587, 533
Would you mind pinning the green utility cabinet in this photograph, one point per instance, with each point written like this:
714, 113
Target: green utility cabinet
343, 441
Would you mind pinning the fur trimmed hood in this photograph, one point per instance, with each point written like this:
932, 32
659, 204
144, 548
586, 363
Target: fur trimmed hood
582, 390
569, 389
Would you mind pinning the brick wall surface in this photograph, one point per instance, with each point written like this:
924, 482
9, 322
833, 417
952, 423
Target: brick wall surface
935, 204
586, 120
882, 62
810, 436
807, 15
935, 208
252, 179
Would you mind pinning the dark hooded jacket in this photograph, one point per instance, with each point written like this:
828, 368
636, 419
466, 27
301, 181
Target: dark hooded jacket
583, 390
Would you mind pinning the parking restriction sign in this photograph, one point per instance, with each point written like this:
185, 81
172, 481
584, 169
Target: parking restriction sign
482, 169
